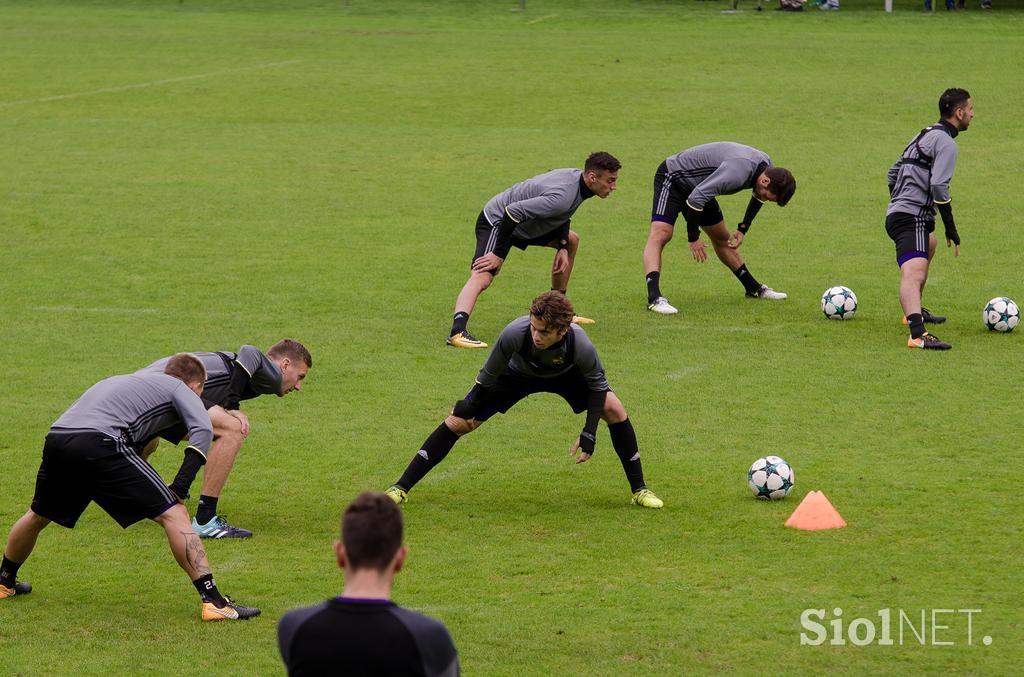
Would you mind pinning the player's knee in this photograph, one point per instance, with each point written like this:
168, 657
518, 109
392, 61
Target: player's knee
573, 243
483, 280
661, 233
461, 426
614, 412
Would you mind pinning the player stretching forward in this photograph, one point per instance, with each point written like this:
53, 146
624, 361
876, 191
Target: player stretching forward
689, 182
918, 184
535, 212
90, 454
542, 352
230, 378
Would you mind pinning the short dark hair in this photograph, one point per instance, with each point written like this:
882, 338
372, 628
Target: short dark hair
291, 349
554, 308
951, 99
782, 185
602, 161
186, 367
371, 531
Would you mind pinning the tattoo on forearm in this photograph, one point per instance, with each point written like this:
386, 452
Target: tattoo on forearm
195, 555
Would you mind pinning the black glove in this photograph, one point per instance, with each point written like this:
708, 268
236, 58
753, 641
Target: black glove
587, 441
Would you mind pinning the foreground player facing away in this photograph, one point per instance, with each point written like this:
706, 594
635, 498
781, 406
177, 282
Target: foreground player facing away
90, 454
918, 184
689, 182
231, 378
542, 352
536, 212
363, 632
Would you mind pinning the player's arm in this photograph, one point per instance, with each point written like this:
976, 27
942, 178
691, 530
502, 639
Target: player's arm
590, 367
942, 174
893, 176
200, 436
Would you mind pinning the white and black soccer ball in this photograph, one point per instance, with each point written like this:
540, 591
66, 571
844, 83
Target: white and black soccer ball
1001, 314
839, 303
770, 478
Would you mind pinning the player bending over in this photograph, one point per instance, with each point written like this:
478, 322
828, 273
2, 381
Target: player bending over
689, 182
231, 378
90, 455
536, 213
918, 184
542, 352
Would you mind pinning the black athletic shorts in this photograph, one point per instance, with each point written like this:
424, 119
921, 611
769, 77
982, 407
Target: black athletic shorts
80, 466
512, 387
910, 233
487, 236
669, 202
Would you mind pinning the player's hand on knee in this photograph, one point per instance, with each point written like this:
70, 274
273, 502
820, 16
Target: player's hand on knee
243, 420
561, 262
736, 240
700, 254
489, 262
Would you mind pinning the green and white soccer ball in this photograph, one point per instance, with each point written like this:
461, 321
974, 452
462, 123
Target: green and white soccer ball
839, 303
1001, 314
770, 478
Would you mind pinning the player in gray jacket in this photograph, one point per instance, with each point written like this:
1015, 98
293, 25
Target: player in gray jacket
536, 212
918, 185
93, 454
543, 352
689, 182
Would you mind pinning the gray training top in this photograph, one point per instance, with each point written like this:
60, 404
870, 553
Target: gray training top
539, 205
920, 178
514, 351
135, 407
264, 375
713, 169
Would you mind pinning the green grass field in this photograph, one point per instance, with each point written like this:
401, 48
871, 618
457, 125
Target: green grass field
198, 175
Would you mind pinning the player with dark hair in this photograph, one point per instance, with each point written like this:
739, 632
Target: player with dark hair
918, 185
363, 632
542, 352
91, 454
536, 212
689, 182
231, 378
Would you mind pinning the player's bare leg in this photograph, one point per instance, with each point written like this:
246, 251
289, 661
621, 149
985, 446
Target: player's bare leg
719, 235
460, 337
659, 236
561, 268
189, 553
228, 438
20, 543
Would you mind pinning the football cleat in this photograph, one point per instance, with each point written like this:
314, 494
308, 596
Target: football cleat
769, 294
218, 527
662, 306
928, 342
465, 340
578, 319
20, 588
228, 612
645, 498
929, 318
397, 494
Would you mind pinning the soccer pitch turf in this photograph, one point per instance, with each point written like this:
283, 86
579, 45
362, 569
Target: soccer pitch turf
186, 175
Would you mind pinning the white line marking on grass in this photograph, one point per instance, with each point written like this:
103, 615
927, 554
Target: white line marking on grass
143, 85
541, 18
118, 311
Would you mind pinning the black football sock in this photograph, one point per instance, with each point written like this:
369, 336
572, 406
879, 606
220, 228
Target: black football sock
746, 279
916, 323
9, 572
433, 452
459, 323
653, 288
624, 442
208, 591
207, 509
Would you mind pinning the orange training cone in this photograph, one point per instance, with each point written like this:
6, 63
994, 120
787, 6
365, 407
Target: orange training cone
814, 513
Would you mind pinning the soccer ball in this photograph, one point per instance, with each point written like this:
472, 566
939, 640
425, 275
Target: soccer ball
839, 303
1001, 314
770, 477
